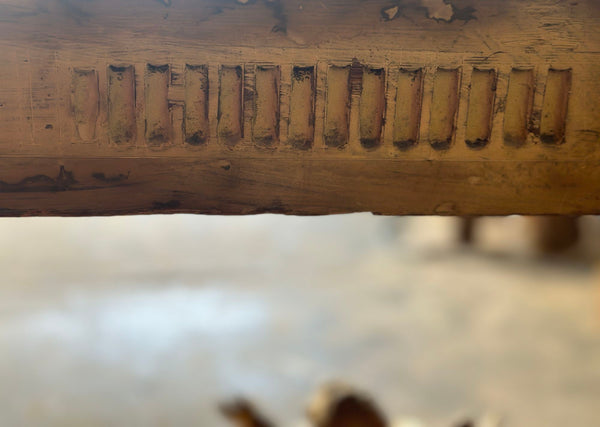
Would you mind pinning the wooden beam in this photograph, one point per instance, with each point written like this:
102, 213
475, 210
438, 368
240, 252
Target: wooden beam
460, 107
119, 186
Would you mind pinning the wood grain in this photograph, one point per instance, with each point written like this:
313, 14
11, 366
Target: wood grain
301, 126
121, 104
487, 107
85, 101
295, 186
481, 106
408, 108
196, 125
230, 119
444, 106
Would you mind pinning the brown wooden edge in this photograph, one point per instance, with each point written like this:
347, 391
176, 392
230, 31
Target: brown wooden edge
300, 186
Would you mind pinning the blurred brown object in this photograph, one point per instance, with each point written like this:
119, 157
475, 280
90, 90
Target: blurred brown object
338, 405
466, 229
549, 234
553, 234
334, 405
243, 414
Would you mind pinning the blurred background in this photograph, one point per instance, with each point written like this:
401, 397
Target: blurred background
151, 321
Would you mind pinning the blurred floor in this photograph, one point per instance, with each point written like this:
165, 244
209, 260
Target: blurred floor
149, 321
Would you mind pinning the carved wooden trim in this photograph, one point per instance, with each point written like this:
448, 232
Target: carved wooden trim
240, 107
368, 85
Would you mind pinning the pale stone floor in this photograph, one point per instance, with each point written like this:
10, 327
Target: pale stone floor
149, 321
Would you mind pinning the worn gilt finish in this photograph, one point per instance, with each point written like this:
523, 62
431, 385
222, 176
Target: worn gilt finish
299, 106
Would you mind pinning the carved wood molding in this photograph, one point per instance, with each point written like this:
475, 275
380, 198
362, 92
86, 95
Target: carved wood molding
395, 107
258, 106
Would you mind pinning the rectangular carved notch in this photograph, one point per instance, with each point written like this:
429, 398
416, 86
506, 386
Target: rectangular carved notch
519, 101
85, 102
302, 108
409, 99
158, 120
265, 128
229, 116
554, 110
195, 107
121, 104
444, 105
372, 107
481, 108
337, 106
